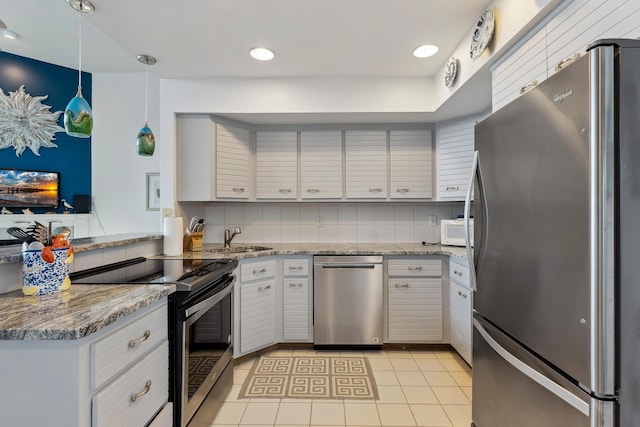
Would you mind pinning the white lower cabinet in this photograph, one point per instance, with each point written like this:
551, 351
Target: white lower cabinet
414, 300
297, 300
118, 376
460, 308
257, 305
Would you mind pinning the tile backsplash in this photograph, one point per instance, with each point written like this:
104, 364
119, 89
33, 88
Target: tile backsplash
328, 222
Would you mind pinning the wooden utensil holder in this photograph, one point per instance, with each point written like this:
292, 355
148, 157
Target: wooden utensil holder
194, 242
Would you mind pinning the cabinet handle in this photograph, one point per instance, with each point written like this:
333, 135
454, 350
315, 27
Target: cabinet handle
295, 285
260, 288
313, 190
412, 268
238, 189
462, 295
141, 393
137, 341
453, 188
526, 88
375, 190
566, 61
402, 285
402, 190
262, 270
457, 273
285, 190
22, 222
295, 268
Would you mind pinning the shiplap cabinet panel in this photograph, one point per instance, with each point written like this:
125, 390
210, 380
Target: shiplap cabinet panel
195, 156
366, 164
321, 165
415, 309
276, 165
297, 307
233, 160
257, 315
455, 142
410, 164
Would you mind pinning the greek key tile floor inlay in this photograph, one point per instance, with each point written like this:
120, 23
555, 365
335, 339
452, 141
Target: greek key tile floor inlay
310, 378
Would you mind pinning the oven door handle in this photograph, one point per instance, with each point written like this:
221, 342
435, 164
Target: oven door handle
207, 303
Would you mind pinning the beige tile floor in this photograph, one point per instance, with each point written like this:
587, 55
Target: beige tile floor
416, 388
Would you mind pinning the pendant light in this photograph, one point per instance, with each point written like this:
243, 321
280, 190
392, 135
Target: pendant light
146, 142
78, 118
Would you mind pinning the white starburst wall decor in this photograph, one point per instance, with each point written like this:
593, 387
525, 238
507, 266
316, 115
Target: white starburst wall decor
27, 123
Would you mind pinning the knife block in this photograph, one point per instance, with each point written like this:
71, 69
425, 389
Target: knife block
194, 242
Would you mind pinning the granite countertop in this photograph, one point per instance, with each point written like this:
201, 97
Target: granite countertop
75, 313
10, 254
330, 249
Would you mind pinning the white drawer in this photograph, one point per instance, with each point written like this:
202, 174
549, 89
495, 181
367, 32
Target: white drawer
147, 379
414, 267
459, 273
257, 270
116, 351
295, 267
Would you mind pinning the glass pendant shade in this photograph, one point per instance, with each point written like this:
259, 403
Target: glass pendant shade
146, 142
78, 118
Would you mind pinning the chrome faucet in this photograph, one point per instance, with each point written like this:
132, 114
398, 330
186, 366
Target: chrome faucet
228, 236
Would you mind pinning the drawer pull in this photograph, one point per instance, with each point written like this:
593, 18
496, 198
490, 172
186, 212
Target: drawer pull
262, 270
526, 88
402, 285
285, 190
238, 189
402, 190
375, 190
412, 268
566, 61
457, 273
453, 188
295, 268
313, 190
295, 285
462, 295
137, 341
260, 288
141, 393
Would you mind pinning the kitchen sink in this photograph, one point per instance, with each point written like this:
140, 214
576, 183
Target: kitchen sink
238, 249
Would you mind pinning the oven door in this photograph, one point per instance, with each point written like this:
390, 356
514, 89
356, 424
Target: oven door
206, 347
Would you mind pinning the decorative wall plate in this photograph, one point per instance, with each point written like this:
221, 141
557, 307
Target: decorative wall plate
450, 72
482, 33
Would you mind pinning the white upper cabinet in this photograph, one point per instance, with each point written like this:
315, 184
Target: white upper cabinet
366, 164
233, 162
321, 165
455, 141
410, 164
195, 158
276, 165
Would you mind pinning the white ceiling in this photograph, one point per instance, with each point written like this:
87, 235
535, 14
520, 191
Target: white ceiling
212, 38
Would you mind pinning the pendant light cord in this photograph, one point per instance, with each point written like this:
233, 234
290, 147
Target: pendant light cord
146, 90
80, 47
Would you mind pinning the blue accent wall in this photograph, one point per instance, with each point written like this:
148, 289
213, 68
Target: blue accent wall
72, 158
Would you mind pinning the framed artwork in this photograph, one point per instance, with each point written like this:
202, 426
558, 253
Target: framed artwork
153, 191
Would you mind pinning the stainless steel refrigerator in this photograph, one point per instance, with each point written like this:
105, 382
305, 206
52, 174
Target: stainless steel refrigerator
557, 249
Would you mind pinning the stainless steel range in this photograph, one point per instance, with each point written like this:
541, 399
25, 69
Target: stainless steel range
200, 323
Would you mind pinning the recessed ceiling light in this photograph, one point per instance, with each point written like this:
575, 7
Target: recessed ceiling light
425, 51
262, 54
9, 34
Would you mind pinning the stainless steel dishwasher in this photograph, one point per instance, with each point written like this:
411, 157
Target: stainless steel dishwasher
347, 300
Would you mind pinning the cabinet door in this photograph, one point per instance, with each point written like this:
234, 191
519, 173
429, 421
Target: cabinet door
257, 315
233, 162
455, 157
460, 313
321, 165
366, 164
277, 165
410, 164
195, 158
296, 309
415, 309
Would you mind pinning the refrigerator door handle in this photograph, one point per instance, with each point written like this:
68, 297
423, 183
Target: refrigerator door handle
536, 376
479, 243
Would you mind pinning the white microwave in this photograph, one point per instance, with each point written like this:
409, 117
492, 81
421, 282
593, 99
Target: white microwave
452, 232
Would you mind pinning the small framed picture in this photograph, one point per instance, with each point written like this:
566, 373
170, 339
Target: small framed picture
153, 191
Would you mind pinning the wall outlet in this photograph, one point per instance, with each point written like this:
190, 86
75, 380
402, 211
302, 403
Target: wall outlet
320, 221
167, 212
432, 220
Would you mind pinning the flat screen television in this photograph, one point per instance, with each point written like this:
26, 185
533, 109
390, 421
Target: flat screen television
29, 189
